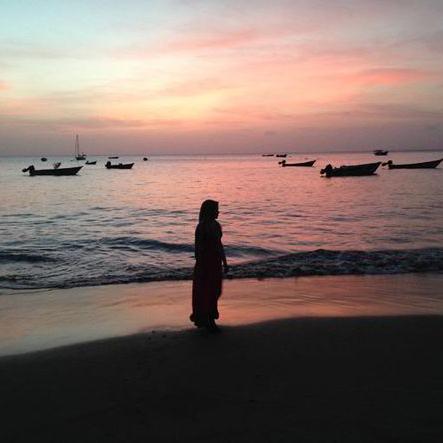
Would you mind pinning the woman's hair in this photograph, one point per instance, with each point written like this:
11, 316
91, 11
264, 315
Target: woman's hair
208, 210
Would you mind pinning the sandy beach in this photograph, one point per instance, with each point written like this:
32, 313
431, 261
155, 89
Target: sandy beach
358, 376
332, 379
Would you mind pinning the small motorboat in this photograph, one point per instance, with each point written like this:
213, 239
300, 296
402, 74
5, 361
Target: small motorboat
145, 159
281, 155
91, 162
423, 165
119, 166
55, 171
267, 155
113, 157
350, 171
283, 163
380, 152
44, 159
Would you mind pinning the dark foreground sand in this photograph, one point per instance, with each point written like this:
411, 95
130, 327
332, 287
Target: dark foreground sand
329, 379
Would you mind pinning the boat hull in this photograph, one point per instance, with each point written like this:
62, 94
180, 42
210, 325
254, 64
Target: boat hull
55, 172
352, 171
302, 164
122, 166
423, 165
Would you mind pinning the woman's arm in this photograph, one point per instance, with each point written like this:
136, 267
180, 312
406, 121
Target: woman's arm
222, 252
223, 255
198, 244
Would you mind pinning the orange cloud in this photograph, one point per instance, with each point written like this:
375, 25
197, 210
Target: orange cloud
93, 123
215, 41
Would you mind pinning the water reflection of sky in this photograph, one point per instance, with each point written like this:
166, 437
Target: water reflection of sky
122, 218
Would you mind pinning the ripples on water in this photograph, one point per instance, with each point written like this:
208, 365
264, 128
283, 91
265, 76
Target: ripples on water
105, 226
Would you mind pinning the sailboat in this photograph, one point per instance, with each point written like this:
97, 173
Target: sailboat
78, 156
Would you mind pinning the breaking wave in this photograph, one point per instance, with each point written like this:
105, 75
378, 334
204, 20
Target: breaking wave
317, 262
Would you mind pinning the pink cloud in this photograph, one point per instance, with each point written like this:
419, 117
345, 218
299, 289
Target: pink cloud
221, 40
194, 87
191, 42
388, 76
3, 86
213, 40
389, 111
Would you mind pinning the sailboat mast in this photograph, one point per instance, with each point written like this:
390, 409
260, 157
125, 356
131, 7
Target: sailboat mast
77, 146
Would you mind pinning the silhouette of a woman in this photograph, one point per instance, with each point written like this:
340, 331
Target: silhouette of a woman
209, 256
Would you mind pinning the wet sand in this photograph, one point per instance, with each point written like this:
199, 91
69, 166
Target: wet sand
354, 379
39, 320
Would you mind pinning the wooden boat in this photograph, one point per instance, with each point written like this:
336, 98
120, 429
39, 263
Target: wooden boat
91, 163
113, 156
267, 155
350, 171
44, 159
145, 159
78, 156
283, 163
423, 165
281, 155
380, 152
54, 171
119, 166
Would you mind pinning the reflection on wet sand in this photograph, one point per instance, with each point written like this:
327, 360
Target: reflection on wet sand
50, 319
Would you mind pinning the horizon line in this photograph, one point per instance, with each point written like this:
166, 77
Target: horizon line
348, 151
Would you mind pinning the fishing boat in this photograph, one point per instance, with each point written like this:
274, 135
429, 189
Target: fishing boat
119, 166
350, 171
380, 152
281, 155
55, 171
78, 156
91, 162
423, 165
283, 163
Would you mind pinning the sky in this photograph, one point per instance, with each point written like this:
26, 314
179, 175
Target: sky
220, 76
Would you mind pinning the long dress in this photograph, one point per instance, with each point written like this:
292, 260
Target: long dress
207, 281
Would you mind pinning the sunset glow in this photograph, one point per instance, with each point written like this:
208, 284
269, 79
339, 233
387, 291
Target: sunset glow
189, 76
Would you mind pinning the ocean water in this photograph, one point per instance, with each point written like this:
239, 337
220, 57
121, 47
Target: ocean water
120, 226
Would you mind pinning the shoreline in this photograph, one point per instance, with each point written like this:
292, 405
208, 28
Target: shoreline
284, 264
50, 319
308, 379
